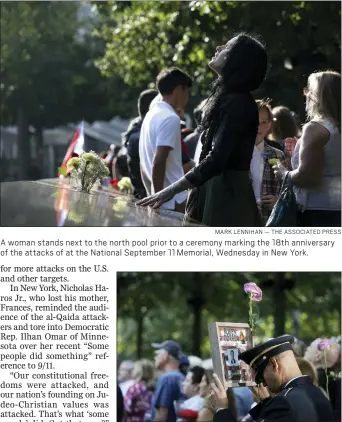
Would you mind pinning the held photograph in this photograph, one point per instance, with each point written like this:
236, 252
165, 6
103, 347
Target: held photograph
170, 114
227, 341
209, 346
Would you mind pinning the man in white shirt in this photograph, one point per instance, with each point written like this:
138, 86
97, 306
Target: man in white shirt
160, 148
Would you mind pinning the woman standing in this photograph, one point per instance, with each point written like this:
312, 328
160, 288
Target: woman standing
138, 399
222, 194
316, 159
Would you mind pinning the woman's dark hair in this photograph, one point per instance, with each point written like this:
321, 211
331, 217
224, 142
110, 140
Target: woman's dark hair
198, 111
169, 79
145, 99
284, 124
244, 70
197, 374
121, 165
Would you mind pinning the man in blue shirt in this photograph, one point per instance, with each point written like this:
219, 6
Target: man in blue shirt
169, 386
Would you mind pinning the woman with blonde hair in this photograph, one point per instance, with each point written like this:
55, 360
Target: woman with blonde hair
138, 399
322, 362
306, 368
316, 157
318, 360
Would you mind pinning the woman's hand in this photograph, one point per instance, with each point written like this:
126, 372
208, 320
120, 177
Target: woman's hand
279, 171
165, 195
290, 144
219, 397
269, 200
158, 199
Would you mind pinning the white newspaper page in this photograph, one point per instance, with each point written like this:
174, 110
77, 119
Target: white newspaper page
58, 334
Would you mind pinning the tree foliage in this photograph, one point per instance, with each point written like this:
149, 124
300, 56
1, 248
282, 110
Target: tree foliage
167, 302
143, 37
36, 45
48, 70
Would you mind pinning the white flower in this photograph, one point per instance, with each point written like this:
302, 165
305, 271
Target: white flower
74, 162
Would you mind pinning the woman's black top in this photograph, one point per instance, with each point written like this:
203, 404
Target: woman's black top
233, 141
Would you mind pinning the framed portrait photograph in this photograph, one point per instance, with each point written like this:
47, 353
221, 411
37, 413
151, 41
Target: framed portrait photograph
227, 340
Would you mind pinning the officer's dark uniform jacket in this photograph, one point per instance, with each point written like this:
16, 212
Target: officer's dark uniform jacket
300, 401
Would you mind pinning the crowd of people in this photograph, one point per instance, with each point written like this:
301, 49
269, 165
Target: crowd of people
229, 170
181, 388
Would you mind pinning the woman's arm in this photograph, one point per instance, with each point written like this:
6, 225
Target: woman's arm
231, 125
225, 139
311, 156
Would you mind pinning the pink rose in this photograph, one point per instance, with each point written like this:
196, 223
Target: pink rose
254, 291
324, 344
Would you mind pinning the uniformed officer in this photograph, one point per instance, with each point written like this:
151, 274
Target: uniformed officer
289, 397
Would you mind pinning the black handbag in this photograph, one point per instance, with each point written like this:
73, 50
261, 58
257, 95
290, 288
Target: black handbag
285, 211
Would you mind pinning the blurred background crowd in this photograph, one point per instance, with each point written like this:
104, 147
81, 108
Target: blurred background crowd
138, 384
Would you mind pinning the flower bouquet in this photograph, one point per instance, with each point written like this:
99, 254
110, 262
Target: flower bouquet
87, 169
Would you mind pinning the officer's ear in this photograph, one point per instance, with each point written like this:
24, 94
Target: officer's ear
274, 364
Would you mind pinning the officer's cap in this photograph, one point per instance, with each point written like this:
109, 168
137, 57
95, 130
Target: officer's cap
257, 357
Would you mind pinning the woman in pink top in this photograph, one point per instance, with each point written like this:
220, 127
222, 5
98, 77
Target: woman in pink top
138, 399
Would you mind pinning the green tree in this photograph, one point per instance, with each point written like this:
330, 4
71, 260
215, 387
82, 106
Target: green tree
138, 295
156, 306
141, 296
36, 41
143, 37
48, 73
